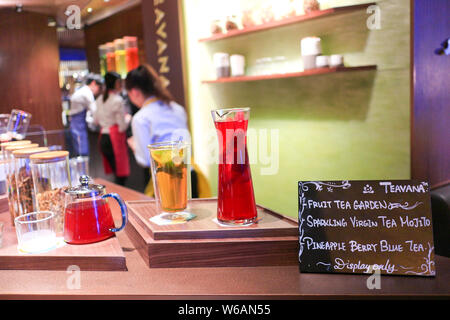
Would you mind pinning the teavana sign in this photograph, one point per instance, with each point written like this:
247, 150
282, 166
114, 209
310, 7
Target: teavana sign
162, 38
363, 226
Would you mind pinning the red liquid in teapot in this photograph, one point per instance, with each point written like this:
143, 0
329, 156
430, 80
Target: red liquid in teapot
87, 222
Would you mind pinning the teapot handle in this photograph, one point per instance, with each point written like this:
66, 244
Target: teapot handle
123, 208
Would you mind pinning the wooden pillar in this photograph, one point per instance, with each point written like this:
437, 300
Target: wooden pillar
163, 43
430, 116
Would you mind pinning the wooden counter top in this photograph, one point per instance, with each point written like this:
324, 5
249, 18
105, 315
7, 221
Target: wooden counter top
141, 282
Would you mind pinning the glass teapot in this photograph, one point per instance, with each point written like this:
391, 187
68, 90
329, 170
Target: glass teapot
88, 217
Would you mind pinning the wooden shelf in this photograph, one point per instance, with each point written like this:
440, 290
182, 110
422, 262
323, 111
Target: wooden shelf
288, 21
306, 73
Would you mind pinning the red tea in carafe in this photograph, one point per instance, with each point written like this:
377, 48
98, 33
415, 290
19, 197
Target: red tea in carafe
236, 200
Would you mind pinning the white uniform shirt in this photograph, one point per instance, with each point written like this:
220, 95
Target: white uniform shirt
111, 112
82, 99
157, 122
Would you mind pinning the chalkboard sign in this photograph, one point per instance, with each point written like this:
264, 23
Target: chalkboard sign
363, 226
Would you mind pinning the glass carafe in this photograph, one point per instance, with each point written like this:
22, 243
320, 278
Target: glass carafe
132, 53
88, 217
236, 200
120, 55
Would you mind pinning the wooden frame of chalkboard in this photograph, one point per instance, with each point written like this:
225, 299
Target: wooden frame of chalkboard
365, 226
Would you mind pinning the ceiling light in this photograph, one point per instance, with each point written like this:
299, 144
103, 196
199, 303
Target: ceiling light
89, 9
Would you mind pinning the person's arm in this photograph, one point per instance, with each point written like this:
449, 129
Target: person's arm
122, 118
95, 116
141, 133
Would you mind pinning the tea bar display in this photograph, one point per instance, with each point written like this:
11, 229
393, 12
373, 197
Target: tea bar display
51, 176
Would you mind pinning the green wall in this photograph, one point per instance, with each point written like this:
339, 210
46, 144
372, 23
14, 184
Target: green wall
352, 125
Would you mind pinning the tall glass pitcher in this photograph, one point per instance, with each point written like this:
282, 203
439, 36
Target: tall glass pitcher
236, 199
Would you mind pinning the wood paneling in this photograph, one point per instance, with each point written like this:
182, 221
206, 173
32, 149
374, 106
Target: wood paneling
430, 131
29, 62
125, 23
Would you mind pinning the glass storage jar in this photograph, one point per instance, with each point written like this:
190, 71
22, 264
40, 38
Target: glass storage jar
51, 176
4, 162
24, 179
11, 183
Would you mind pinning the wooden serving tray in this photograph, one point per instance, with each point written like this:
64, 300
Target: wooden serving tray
203, 243
106, 255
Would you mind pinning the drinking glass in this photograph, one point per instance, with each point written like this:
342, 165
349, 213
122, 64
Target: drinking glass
18, 124
4, 120
236, 199
36, 231
170, 167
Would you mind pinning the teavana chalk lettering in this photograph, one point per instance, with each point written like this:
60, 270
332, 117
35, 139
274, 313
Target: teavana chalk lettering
356, 205
397, 188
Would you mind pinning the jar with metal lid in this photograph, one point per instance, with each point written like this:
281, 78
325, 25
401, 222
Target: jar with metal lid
24, 179
51, 176
11, 178
88, 217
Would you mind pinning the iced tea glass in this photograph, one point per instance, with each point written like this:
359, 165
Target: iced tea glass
170, 167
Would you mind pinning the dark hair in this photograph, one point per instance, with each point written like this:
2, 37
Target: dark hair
110, 83
147, 80
94, 77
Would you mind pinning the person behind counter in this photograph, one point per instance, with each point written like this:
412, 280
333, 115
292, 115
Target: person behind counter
82, 102
114, 121
159, 118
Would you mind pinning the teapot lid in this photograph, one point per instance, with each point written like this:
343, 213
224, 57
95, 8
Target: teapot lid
86, 190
